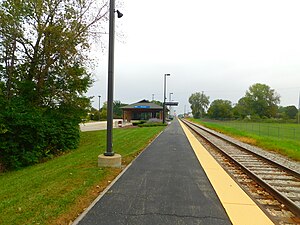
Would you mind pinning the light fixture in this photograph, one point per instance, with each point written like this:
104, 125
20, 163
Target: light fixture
119, 14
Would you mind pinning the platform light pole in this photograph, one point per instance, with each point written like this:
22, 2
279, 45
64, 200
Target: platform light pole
164, 104
170, 96
170, 107
99, 102
110, 90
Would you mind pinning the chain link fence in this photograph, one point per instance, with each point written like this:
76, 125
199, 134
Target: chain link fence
261, 129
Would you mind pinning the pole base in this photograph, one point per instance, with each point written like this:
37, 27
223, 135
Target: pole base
109, 161
109, 153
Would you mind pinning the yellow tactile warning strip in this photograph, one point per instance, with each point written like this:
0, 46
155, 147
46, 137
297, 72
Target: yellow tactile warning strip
240, 208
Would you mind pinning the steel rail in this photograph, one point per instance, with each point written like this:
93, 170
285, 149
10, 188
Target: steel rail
294, 208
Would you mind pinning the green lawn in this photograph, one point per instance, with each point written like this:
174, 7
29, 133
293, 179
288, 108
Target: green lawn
54, 192
282, 138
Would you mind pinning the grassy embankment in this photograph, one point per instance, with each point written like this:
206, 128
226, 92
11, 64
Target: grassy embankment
55, 192
267, 137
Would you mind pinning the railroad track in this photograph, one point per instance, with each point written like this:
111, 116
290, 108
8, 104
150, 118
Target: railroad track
261, 175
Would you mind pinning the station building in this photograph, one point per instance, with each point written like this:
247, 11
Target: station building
142, 110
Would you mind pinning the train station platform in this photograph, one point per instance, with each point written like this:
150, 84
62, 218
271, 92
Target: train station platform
166, 185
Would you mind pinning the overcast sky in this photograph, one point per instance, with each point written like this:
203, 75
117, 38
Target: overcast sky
216, 46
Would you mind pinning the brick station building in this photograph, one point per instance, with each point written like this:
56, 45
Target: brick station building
142, 110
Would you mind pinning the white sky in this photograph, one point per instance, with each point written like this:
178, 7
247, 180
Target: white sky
216, 46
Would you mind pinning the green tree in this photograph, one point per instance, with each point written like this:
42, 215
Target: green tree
291, 111
241, 109
157, 102
94, 114
199, 103
118, 113
220, 109
281, 112
44, 48
298, 117
259, 100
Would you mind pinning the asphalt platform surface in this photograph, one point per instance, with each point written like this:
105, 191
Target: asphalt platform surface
164, 185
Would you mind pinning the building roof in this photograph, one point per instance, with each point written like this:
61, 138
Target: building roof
143, 104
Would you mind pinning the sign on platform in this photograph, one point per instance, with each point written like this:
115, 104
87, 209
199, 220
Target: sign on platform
142, 106
172, 103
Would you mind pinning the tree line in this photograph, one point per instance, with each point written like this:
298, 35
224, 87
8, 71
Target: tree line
260, 102
101, 114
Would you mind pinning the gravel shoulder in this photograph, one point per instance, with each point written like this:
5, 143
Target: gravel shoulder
276, 157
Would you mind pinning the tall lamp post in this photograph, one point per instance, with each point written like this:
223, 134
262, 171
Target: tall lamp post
99, 102
110, 90
170, 99
109, 158
164, 104
170, 96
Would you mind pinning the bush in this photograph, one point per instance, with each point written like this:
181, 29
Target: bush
32, 134
151, 124
136, 123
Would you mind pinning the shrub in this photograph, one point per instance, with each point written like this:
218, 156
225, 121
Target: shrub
32, 134
151, 124
136, 123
